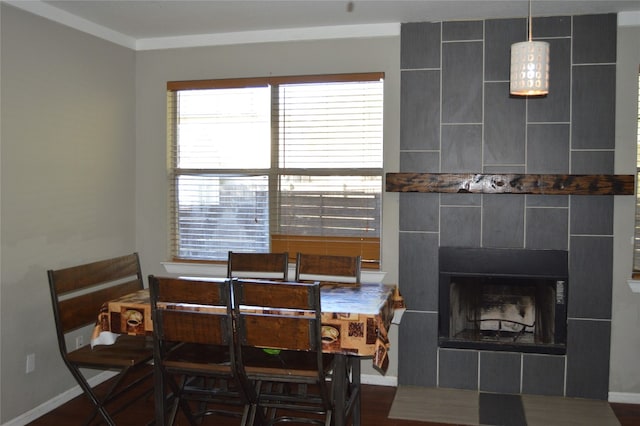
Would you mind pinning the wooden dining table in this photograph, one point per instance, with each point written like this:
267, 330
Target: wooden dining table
355, 321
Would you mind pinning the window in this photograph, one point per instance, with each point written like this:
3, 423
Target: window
276, 164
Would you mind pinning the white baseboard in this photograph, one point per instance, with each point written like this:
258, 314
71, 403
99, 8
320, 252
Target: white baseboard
375, 379
624, 397
57, 401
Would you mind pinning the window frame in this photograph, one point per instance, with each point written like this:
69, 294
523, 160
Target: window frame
368, 248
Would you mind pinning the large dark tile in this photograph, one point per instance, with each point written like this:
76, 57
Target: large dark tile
504, 129
420, 110
592, 162
500, 372
460, 226
548, 148
501, 409
419, 212
420, 161
458, 369
588, 359
555, 106
547, 228
590, 270
463, 199
461, 83
462, 30
420, 45
502, 169
592, 215
417, 355
551, 26
418, 270
547, 201
593, 107
543, 374
461, 148
594, 39
503, 221
500, 34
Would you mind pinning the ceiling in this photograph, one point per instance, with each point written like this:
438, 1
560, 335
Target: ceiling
129, 22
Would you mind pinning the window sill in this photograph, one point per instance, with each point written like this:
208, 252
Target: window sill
220, 270
634, 284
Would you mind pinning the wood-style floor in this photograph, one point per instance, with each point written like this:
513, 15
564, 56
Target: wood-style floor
376, 402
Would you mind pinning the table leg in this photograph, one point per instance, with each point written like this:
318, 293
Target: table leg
158, 393
340, 390
355, 387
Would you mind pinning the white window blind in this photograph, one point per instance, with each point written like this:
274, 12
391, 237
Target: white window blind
252, 159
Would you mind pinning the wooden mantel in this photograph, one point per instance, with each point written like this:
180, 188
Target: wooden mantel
544, 184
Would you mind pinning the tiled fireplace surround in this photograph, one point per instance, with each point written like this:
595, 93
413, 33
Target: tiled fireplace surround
457, 116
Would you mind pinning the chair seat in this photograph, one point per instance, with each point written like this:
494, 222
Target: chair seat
199, 358
127, 351
284, 364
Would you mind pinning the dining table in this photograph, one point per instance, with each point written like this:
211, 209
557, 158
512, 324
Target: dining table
355, 321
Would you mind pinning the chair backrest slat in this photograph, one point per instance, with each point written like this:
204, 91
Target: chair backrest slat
318, 265
96, 273
194, 327
83, 310
258, 265
292, 333
180, 290
261, 293
78, 292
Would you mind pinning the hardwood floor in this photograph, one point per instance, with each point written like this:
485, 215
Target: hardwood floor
376, 402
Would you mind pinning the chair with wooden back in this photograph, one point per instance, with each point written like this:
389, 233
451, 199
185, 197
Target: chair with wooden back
279, 341
78, 294
328, 268
194, 350
271, 266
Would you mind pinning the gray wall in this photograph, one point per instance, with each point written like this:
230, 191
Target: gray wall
624, 376
67, 184
155, 68
457, 116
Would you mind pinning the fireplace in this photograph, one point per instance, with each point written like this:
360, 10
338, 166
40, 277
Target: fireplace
503, 299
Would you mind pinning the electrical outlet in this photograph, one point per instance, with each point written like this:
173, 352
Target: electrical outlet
31, 363
79, 342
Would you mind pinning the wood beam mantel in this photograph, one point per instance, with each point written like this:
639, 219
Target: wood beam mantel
544, 184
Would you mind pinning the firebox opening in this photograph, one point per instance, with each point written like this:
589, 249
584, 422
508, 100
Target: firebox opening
502, 310
489, 307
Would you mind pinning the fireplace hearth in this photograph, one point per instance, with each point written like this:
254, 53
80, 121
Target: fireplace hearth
503, 299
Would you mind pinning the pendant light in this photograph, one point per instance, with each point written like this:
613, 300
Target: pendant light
529, 66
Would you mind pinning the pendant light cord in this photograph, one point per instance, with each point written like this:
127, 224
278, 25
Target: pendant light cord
530, 32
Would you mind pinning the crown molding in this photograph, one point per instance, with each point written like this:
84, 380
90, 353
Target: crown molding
629, 19
267, 36
47, 11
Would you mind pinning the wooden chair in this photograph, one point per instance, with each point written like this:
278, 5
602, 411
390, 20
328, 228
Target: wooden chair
281, 352
77, 294
194, 350
328, 268
271, 266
